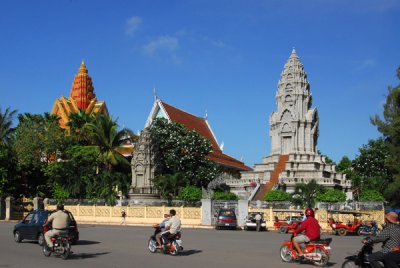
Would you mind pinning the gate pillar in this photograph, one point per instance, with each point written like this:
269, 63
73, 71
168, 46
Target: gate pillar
9, 208
243, 210
206, 211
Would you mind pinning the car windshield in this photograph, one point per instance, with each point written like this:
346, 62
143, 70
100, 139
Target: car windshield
253, 215
227, 213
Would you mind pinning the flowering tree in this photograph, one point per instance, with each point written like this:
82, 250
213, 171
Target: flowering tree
178, 150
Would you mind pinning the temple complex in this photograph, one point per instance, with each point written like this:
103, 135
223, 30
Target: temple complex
81, 97
294, 133
143, 170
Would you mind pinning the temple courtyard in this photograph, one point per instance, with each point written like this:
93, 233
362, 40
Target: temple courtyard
126, 246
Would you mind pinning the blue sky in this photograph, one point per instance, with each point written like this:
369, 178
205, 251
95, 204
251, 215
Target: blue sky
220, 57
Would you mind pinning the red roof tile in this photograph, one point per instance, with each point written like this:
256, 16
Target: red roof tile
201, 126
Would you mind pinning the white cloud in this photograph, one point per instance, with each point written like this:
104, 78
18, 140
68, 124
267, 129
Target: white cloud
132, 25
166, 43
218, 44
366, 64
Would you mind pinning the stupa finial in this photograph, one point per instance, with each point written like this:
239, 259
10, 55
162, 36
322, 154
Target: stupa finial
82, 68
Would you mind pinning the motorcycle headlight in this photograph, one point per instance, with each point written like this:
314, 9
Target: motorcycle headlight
333, 225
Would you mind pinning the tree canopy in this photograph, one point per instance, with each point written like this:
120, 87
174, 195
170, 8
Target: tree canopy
184, 152
389, 126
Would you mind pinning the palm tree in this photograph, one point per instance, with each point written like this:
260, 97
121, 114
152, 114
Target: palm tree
78, 126
108, 140
307, 192
6, 130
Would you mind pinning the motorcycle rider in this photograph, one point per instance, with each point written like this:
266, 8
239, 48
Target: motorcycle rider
172, 227
60, 222
312, 231
390, 238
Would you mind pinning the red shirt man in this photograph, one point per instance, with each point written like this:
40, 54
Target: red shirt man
311, 228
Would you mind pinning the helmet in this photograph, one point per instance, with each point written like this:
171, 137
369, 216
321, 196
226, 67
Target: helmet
309, 212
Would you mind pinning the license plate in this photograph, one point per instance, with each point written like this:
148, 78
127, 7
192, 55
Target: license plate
327, 248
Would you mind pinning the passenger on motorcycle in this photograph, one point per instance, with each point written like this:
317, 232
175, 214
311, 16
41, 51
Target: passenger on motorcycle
312, 231
390, 238
172, 226
60, 223
161, 227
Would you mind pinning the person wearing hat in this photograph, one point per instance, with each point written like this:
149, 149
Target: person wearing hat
390, 238
172, 226
161, 227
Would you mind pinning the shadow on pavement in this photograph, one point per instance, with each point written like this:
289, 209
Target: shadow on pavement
86, 242
86, 255
189, 252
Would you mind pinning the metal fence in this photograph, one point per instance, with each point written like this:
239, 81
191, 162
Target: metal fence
370, 205
277, 204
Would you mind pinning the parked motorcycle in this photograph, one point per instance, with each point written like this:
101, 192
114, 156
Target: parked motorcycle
361, 259
316, 252
61, 246
366, 229
172, 245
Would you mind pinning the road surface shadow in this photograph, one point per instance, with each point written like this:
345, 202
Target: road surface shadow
80, 256
86, 242
189, 252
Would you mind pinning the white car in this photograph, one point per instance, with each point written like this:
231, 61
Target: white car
251, 224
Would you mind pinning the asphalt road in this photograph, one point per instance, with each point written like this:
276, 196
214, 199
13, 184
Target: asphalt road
126, 246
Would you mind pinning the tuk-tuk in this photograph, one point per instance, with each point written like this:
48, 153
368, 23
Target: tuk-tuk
290, 223
344, 228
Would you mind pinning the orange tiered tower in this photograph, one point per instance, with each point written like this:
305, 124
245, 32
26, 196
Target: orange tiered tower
81, 97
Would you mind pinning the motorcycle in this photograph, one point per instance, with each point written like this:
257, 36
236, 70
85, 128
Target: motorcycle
361, 259
171, 245
365, 229
317, 252
61, 246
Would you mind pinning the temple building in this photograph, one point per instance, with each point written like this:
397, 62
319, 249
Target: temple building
81, 97
294, 133
142, 167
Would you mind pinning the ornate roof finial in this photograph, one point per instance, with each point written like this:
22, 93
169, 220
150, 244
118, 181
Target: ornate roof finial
293, 50
206, 116
155, 94
82, 68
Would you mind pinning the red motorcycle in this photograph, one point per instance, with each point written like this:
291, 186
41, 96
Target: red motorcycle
172, 245
317, 252
61, 245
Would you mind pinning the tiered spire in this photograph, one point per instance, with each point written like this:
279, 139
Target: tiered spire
82, 88
294, 126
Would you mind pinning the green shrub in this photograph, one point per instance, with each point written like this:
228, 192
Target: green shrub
276, 195
224, 196
190, 194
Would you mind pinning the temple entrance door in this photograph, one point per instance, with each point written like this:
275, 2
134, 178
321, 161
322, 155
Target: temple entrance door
286, 144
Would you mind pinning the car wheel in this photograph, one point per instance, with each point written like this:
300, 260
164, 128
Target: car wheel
342, 232
40, 239
283, 229
17, 237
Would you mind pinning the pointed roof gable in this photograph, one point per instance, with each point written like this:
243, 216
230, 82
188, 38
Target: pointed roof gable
201, 126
